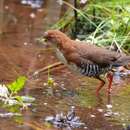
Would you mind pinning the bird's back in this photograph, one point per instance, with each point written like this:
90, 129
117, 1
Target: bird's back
97, 55
85, 59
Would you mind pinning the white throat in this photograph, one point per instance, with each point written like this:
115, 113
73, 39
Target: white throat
60, 56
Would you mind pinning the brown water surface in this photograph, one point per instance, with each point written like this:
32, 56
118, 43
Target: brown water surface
21, 54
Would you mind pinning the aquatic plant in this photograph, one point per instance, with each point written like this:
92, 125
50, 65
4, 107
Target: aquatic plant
17, 85
50, 80
105, 23
50, 83
9, 93
68, 121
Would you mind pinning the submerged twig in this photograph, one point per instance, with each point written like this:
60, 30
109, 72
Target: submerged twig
45, 69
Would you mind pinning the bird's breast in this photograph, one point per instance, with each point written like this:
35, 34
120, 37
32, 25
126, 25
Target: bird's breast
84, 69
63, 59
61, 56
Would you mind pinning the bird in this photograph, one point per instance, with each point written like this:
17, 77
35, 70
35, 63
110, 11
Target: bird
85, 58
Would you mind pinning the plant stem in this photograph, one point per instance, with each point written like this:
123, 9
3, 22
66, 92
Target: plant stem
76, 18
80, 12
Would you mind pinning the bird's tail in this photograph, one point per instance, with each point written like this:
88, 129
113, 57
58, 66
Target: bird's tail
122, 61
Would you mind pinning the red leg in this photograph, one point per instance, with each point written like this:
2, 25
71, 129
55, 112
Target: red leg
100, 86
110, 79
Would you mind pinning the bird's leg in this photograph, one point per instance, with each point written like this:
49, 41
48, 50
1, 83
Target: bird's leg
100, 86
110, 79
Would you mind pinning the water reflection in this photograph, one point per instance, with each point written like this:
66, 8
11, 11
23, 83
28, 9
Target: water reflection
20, 25
33, 3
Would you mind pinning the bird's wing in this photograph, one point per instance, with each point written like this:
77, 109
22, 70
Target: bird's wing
96, 55
77, 59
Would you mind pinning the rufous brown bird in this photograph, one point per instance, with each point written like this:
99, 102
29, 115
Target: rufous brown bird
84, 58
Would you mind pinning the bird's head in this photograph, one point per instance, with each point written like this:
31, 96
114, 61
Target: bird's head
55, 37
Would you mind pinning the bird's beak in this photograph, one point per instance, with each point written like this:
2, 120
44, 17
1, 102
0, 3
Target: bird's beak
43, 39
45, 34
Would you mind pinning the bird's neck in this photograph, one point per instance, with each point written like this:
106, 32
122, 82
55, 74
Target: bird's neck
60, 56
63, 46
62, 41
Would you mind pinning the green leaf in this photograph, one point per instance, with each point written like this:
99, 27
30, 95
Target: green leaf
19, 98
17, 85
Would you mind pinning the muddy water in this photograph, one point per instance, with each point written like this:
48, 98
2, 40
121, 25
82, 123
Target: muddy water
21, 54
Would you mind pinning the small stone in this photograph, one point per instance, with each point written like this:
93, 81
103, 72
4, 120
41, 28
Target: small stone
45, 103
36, 73
116, 113
122, 119
49, 118
92, 116
62, 84
39, 56
77, 40
44, 84
32, 15
40, 10
72, 107
60, 2
55, 84
34, 110
100, 110
6, 7
109, 106
25, 43
83, 1
124, 125
108, 114
24, 2
89, 107
85, 127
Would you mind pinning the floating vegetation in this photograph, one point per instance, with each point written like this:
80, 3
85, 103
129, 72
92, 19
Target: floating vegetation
50, 83
68, 121
9, 93
9, 114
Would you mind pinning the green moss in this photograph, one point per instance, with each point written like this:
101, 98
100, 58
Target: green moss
86, 98
125, 91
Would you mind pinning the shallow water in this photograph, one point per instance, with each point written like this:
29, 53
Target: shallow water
21, 54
